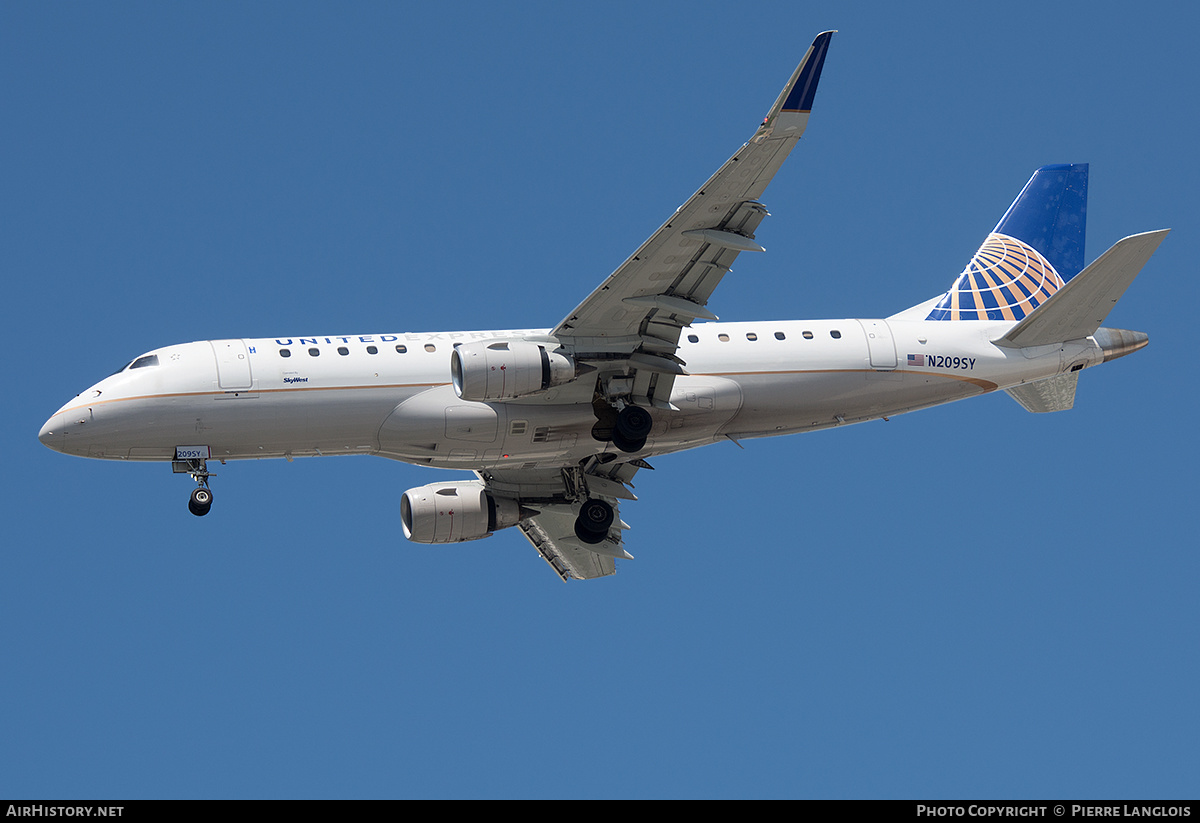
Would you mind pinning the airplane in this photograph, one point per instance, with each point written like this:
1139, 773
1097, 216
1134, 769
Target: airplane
555, 423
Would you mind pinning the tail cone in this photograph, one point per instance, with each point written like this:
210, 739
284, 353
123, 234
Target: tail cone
1119, 342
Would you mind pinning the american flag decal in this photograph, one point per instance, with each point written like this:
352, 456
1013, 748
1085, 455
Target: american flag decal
916, 360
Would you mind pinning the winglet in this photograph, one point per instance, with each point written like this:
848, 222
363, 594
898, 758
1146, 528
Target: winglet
791, 109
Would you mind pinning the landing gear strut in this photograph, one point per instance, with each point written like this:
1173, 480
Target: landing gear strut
595, 516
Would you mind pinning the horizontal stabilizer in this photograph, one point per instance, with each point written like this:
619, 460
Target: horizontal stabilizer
1078, 308
1050, 395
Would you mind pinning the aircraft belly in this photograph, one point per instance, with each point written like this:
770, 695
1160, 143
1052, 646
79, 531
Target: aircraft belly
436, 428
131, 429
807, 401
299, 422
240, 425
704, 404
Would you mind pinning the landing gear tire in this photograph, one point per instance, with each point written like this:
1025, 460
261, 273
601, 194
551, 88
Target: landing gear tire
631, 429
595, 516
626, 445
200, 501
634, 423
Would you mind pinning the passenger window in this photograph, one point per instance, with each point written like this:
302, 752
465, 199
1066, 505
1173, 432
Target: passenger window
315, 352
807, 335
780, 335
372, 350
835, 334
693, 338
751, 335
143, 362
401, 348
342, 350
724, 338
285, 352
430, 347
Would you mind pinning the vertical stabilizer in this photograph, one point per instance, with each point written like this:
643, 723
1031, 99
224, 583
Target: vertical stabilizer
1035, 249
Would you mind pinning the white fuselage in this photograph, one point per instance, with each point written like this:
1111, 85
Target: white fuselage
391, 394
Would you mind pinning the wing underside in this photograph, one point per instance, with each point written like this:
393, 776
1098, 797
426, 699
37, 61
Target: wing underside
633, 320
556, 497
551, 534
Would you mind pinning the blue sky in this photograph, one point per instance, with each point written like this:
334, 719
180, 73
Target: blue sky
968, 601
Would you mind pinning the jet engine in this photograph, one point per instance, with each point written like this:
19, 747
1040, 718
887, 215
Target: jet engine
454, 512
505, 370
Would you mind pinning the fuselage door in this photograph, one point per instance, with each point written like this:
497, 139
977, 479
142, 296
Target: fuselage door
233, 363
880, 344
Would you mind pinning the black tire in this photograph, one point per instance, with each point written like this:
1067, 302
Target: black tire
634, 423
585, 536
595, 516
200, 501
626, 445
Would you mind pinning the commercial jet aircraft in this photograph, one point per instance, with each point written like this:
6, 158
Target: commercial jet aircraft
555, 423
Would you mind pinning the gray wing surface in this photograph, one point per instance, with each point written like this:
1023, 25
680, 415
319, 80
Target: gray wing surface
551, 534
555, 494
641, 307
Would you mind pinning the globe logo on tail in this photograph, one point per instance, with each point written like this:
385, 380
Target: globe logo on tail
1005, 280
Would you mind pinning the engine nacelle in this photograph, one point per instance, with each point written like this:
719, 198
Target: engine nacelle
454, 512
505, 370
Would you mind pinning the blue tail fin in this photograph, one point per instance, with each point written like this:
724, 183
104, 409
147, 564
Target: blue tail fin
1034, 250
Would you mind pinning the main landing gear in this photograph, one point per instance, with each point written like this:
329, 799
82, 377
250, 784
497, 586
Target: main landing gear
627, 428
632, 428
595, 516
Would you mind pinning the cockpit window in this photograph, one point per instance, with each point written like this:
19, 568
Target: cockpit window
143, 362
140, 363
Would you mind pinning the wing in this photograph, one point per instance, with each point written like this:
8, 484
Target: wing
639, 310
629, 330
556, 496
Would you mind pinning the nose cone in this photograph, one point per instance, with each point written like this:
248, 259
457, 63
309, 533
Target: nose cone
54, 433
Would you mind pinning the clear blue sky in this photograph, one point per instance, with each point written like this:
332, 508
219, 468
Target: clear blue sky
968, 601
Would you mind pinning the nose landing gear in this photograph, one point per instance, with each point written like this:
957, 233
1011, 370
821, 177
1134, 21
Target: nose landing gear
201, 500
